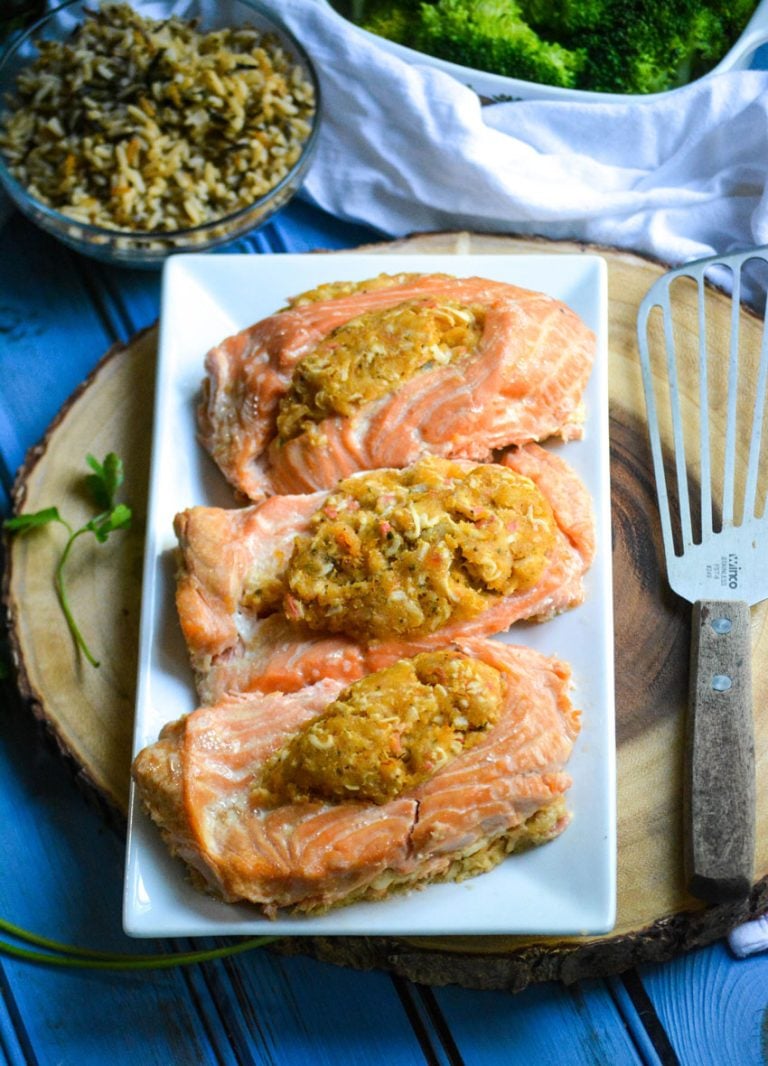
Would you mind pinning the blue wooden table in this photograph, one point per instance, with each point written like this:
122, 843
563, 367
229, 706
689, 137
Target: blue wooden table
62, 862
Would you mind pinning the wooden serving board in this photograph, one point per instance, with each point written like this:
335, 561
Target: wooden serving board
89, 712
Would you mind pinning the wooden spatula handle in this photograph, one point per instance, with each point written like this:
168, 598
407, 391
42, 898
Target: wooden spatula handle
720, 754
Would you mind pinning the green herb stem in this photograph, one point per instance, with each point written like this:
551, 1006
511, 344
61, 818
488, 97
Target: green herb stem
102, 485
58, 954
61, 592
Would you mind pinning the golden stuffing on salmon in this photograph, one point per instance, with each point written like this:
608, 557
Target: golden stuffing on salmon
234, 796
376, 374
371, 355
267, 594
388, 731
405, 552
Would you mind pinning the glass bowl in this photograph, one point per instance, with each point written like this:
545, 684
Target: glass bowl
148, 248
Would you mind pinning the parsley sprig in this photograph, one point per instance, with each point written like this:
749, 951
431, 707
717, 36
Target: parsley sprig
102, 485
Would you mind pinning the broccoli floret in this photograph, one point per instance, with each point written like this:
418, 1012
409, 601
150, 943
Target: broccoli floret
559, 18
491, 35
719, 25
393, 19
647, 46
617, 46
736, 13
393, 22
709, 40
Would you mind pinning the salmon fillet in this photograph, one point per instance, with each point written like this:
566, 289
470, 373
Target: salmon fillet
524, 381
236, 647
197, 783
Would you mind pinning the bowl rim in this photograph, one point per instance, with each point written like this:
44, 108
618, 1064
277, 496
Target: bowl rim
501, 88
22, 196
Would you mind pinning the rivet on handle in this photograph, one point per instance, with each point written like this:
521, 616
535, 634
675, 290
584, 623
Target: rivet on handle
721, 682
721, 625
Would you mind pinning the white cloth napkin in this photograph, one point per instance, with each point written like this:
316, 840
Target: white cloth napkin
407, 148
750, 938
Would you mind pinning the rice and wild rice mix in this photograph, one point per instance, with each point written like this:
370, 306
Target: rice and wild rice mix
141, 125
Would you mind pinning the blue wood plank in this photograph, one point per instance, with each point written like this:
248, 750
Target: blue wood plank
302, 227
12, 1050
132, 297
62, 877
49, 334
713, 1007
548, 1023
296, 1011
634, 1020
428, 1022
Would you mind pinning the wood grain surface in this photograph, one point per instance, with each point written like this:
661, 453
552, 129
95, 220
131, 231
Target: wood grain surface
90, 712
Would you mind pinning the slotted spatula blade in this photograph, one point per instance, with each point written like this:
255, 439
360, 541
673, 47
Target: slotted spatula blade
716, 548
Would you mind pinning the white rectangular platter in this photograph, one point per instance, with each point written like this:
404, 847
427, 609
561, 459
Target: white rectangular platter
565, 887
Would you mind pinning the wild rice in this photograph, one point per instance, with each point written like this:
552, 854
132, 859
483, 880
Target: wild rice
142, 125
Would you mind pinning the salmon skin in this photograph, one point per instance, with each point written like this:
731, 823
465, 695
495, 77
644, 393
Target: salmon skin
506, 792
522, 382
225, 554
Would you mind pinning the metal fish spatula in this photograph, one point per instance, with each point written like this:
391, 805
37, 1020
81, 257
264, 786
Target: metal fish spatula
711, 487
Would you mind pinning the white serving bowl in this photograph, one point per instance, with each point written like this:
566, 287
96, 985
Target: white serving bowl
497, 87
